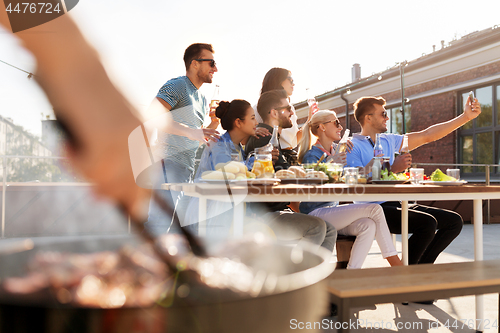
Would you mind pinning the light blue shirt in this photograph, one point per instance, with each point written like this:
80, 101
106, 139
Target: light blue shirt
312, 156
362, 152
218, 152
218, 212
189, 107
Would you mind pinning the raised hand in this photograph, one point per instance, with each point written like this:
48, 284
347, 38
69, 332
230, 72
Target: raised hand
472, 109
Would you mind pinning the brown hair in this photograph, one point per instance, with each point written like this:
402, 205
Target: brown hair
194, 52
270, 100
274, 78
229, 112
364, 105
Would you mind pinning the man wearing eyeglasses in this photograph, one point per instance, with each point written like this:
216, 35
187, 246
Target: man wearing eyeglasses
188, 108
425, 244
274, 108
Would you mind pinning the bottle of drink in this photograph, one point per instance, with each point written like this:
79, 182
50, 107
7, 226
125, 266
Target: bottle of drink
404, 147
214, 103
342, 145
377, 148
274, 139
376, 167
312, 102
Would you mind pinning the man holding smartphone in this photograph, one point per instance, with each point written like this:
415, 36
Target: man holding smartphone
425, 244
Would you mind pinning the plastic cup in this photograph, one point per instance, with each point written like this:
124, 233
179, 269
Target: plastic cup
351, 176
455, 173
335, 171
416, 175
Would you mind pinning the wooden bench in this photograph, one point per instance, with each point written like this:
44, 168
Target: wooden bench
354, 288
343, 246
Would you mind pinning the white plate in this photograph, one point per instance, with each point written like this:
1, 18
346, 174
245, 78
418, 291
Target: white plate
303, 181
390, 182
217, 181
431, 182
257, 181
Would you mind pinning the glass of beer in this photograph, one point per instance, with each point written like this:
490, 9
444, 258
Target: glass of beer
341, 147
213, 105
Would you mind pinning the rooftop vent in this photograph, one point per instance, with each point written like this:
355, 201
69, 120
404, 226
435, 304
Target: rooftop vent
356, 72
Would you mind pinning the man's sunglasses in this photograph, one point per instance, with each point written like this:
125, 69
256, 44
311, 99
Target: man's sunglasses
288, 107
212, 61
384, 114
336, 121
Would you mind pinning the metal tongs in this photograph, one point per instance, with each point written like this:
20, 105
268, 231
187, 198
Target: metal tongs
196, 247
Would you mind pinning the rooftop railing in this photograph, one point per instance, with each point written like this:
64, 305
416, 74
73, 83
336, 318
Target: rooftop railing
81, 182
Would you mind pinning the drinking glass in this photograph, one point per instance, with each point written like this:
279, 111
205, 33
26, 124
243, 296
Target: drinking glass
455, 173
386, 164
334, 171
351, 176
416, 175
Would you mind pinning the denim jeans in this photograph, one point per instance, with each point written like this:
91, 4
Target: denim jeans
158, 221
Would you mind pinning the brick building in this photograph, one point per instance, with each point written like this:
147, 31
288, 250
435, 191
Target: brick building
436, 87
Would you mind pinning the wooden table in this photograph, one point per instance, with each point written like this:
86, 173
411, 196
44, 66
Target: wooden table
341, 192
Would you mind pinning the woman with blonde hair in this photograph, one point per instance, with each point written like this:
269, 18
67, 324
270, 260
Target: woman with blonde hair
365, 221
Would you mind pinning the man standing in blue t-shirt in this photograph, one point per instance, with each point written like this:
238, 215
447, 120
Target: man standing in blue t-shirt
187, 107
425, 244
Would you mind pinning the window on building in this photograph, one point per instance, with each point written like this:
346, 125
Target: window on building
395, 123
479, 140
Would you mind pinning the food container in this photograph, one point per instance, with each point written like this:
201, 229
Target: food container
263, 163
292, 287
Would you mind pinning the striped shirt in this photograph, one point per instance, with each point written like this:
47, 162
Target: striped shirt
189, 107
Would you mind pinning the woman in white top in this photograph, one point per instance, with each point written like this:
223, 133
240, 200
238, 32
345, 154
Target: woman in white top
280, 78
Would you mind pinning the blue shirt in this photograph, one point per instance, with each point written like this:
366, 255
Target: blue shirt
312, 156
218, 152
214, 153
189, 107
362, 152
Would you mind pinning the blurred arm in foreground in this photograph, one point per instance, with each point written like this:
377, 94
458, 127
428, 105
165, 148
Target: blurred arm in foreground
96, 114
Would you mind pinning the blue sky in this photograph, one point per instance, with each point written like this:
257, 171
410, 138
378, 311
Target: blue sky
142, 42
